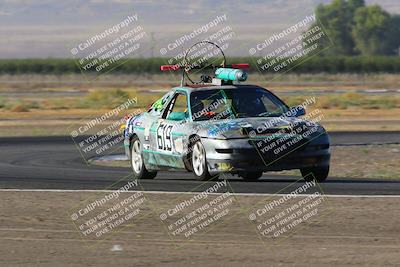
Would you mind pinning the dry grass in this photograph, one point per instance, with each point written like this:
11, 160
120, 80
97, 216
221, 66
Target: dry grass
95, 99
154, 81
107, 90
36, 98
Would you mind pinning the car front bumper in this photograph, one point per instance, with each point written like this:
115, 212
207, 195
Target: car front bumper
238, 155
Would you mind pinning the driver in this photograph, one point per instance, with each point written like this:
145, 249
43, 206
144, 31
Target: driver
249, 107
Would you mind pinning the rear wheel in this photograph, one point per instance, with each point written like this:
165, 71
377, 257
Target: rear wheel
251, 176
199, 163
318, 173
138, 167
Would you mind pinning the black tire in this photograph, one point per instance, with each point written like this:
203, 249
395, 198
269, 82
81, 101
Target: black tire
200, 169
139, 170
251, 176
319, 173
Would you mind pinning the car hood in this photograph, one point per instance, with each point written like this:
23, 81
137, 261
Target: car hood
242, 127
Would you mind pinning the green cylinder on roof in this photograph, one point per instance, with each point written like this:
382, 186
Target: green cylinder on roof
228, 74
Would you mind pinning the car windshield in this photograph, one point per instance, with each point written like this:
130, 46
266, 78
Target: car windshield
235, 103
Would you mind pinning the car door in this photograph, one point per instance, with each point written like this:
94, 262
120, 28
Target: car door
168, 137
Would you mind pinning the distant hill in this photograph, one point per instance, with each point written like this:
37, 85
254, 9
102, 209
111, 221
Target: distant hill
50, 28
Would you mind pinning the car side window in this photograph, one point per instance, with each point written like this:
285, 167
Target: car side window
158, 107
177, 109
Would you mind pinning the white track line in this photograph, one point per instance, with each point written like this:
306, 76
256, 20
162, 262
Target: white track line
190, 193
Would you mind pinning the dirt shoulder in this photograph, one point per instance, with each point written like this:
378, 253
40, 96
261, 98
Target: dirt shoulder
36, 230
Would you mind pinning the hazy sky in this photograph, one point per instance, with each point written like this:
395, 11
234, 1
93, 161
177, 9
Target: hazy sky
50, 28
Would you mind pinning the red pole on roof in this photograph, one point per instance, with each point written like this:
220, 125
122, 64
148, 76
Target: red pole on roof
170, 67
240, 66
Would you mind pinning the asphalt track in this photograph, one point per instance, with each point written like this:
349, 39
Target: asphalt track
55, 163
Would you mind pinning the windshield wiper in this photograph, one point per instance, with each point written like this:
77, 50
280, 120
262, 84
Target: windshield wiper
269, 114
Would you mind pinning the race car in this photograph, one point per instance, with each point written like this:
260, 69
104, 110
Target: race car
217, 126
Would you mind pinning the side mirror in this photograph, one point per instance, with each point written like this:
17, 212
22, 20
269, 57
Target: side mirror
177, 116
298, 111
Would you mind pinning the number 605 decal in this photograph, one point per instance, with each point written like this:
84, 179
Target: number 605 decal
164, 141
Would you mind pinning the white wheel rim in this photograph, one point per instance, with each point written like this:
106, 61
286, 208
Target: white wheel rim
198, 159
136, 156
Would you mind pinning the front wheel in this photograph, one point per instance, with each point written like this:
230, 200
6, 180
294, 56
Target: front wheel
138, 167
199, 163
318, 173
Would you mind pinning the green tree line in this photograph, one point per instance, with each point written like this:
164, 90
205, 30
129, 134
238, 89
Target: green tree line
357, 29
327, 64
